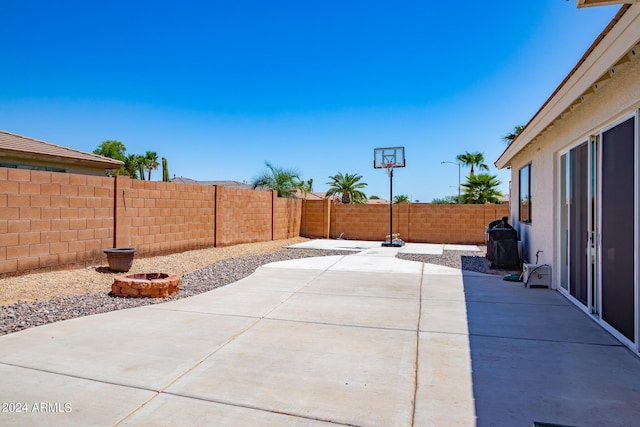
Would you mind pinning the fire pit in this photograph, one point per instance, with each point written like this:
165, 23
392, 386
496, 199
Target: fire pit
151, 285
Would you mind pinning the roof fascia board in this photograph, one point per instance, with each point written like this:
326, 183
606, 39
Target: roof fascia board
593, 3
617, 42
107, 164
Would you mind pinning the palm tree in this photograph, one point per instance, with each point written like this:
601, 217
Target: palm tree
508, 138
283, 181
348, 187
401, 198
150, 162
473, 159
132, 164
480, 189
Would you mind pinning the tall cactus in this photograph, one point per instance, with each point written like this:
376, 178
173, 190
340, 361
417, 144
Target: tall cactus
165, 170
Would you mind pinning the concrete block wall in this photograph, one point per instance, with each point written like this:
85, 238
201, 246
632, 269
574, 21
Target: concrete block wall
316, 218
428, 223
49, 219
243, 216
161, 217
287, 216
368, 222
453, 223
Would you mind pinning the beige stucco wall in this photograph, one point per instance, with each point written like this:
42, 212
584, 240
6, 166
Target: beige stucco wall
69, 166
614, 98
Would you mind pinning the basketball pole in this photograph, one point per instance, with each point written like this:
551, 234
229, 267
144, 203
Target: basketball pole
391, 206
391, 243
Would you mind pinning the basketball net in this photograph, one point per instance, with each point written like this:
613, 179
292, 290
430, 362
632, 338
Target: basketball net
389, 166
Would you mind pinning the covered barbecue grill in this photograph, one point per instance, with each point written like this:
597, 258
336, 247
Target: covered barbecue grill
502, 245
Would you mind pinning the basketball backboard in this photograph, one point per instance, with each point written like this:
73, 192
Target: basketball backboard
388, 157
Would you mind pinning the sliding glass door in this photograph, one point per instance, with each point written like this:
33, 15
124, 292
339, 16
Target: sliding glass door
576, 221
618, 228
598, 226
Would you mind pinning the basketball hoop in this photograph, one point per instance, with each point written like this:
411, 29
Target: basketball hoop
389, 166
389, 158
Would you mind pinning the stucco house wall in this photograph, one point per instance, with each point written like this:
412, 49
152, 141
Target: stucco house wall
615, 97
596, 268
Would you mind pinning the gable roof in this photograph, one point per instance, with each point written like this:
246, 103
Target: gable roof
620, 35
30, 148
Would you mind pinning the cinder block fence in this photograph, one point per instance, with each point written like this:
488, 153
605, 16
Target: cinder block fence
416, 222
50, 220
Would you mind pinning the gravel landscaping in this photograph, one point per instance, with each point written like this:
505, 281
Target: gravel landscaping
464, 260
229, 265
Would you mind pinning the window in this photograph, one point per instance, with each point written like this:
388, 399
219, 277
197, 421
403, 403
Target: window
525, 193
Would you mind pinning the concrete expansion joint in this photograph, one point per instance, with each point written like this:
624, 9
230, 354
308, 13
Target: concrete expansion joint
80, 377
597, 344
417, 359
257, 408
546, 304
209, 354
341, 325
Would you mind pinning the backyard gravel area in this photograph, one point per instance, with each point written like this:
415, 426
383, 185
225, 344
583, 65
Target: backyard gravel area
41, 298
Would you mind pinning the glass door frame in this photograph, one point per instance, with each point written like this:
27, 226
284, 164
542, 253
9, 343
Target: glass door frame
636, 238
591, 306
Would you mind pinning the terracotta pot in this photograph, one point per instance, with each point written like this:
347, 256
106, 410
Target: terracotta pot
120, 259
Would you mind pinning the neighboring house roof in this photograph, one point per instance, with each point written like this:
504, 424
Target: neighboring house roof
610, 49
318, 195
377, 202
228, 183
19, 146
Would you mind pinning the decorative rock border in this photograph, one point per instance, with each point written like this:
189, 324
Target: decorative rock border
151, 285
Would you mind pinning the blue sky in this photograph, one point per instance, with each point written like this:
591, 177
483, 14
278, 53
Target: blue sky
220, 87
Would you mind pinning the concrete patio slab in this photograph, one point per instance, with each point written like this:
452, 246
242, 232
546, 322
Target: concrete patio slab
440, 286
363, 340
255, 302
564, 323
320, 263
373, 312
171, 410
516, 381
337, 245
349, 375
374, 247
447, 316
277, 278
444, 395
354, 283
422, 248
433, 269
141, 347
469, 248
373, 265
38, 398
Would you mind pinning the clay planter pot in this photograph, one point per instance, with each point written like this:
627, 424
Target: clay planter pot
120, 259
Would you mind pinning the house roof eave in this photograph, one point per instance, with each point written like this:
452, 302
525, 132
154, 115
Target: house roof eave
596, 62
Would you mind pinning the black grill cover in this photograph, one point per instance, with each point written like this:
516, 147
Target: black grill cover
502, 248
